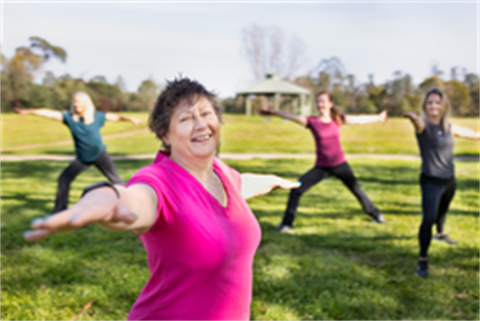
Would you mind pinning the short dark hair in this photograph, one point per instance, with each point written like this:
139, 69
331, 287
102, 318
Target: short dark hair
176, 92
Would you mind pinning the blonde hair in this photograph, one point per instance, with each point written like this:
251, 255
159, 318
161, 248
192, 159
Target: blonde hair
89, 114
444, 121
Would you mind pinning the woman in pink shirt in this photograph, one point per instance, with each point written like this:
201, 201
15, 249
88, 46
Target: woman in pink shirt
330, 157
189, 211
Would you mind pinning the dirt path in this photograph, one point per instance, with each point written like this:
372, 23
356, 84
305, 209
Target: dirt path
228, 156
70, 141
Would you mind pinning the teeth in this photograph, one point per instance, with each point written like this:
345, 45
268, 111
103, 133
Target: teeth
201, 139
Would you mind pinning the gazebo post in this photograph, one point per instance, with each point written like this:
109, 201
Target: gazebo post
295, 107
276, 101
302, 104
248, 106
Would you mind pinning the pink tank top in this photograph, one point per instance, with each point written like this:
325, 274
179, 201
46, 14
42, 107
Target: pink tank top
200, 254
327, 141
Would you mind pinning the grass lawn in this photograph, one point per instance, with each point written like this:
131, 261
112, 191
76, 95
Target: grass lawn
240, 134
336, 264
29, 130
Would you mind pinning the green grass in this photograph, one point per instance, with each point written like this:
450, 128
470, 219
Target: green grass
240, 134
29, 130
335, 265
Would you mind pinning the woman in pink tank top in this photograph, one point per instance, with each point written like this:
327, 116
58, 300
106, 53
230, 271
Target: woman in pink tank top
330, 160
189, 211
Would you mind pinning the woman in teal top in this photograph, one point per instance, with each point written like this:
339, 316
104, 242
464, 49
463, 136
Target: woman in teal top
84, 123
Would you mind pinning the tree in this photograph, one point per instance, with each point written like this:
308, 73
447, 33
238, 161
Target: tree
19, 71
475, 102
459, 95
48, 49
431, 82
148, 91
473, 82
268, 51
6, 90
328, 72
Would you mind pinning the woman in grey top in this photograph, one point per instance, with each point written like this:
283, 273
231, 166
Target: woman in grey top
437, 180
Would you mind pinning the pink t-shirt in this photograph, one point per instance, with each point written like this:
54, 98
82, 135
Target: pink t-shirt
327, 142
200, 254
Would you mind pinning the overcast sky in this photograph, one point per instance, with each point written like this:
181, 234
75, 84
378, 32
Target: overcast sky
203, 40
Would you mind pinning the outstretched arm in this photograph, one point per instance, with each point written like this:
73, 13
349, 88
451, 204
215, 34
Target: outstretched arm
465, 132
365, 119
133, 209
417, 122
118, 117
254, 185
42, 112
302, 120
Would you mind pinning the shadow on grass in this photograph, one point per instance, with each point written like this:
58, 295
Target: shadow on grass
338, 275
324, 270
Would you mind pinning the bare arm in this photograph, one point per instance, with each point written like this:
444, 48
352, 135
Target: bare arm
134, 210
118, 117
365, 119
417, 122
302, 120
465, 132
42, 112
254, 185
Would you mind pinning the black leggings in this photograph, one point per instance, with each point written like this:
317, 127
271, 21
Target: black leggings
104, 163
436, 197
315, 175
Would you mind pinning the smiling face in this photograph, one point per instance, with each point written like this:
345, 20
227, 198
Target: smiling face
324, 104
80, 105
433, 106
193, 130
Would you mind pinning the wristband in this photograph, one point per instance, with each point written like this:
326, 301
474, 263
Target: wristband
98, 185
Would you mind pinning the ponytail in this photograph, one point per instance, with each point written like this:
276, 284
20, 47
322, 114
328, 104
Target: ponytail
335, 114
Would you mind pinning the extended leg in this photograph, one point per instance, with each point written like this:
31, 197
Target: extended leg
64, 181
345, 174
105, 165
445, 204
431, 195
312, 177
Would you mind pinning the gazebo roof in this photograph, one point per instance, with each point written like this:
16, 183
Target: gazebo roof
273, 85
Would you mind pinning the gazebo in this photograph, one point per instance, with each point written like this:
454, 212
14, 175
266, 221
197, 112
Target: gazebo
274, 86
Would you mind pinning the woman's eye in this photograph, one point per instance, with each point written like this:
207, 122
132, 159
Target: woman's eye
207, 113
184, 119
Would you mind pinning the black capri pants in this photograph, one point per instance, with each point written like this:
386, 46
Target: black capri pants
104, 164
437, 194
317, 174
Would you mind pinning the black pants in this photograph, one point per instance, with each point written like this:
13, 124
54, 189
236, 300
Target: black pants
104, 163
436, 197
315, 175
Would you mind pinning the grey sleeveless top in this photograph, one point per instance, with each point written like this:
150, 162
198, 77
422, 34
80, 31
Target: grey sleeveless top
436, 149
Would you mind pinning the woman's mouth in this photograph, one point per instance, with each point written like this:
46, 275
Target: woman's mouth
201, 139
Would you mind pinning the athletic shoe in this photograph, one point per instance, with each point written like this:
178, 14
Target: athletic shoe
378, 218
422, 269
445, 238
283, 228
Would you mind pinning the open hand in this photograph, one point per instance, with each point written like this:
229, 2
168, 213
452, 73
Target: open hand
254, 185
383, 115
281, 183
100, 206
411, 115
136, 121
20, 111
